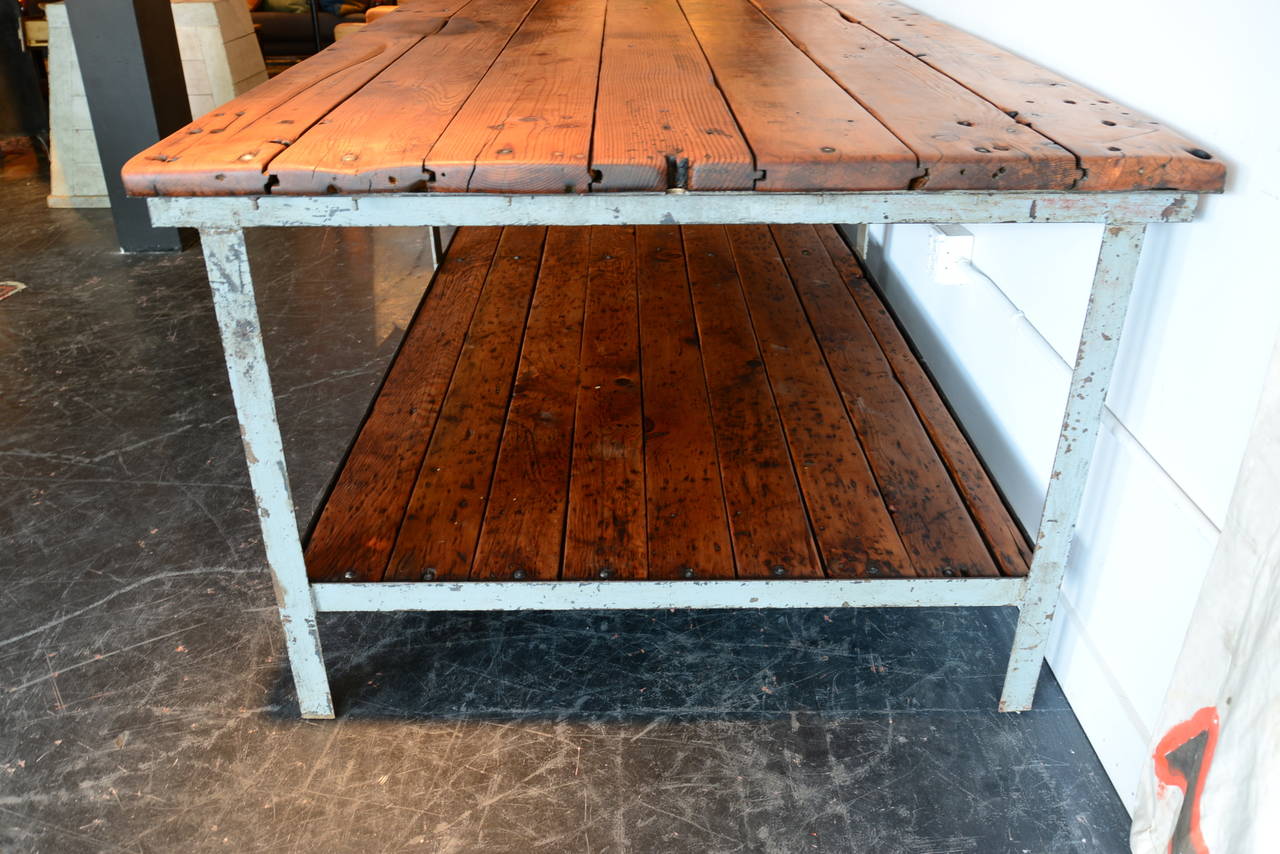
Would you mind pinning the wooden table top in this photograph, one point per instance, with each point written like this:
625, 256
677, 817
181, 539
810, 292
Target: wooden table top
555, 96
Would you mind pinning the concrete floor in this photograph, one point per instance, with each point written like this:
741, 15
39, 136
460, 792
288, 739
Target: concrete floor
145, 704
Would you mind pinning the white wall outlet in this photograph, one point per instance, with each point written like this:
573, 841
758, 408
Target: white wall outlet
951, 254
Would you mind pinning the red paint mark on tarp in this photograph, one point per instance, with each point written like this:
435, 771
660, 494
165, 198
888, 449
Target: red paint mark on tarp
1182, 760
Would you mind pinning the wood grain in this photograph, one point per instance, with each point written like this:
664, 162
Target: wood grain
357, 528
524, 522
771, 535
377, 140
527, 126
441, 527
806, 132
660, 120
932, 520
961, 141
226, 151
1118, 147
687, 526
855, 533
995, 522
605, 534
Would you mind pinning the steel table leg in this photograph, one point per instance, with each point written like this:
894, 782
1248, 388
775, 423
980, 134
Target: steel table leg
1099, 342
228, 264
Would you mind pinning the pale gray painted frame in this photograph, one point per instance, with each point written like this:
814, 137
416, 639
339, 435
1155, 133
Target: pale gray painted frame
222, 219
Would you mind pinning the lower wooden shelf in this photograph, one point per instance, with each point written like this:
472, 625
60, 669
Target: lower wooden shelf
658, 403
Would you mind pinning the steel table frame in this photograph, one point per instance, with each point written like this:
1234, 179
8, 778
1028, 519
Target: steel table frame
221, 221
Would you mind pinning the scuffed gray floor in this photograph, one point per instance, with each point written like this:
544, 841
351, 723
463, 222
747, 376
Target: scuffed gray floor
144, 701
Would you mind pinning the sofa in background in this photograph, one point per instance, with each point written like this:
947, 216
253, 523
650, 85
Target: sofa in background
284, 26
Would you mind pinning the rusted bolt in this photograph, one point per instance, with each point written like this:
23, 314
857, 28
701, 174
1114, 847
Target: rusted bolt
429, 574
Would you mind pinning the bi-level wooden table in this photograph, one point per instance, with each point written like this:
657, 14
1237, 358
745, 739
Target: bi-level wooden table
677, 407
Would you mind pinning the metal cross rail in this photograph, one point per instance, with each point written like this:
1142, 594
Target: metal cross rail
221, 221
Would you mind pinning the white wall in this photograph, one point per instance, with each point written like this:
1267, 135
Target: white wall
1204, 319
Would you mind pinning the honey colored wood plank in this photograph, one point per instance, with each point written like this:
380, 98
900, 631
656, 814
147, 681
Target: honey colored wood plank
933, 522
806, 132
523, 530
1119, 148
962, 141
441, 527
226, 151
527, 126
855, 533
687, 525
767, 520
377, 140
605, 531
660, 120
357, 527
995, 522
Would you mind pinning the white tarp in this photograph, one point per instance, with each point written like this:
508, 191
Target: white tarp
1213, 783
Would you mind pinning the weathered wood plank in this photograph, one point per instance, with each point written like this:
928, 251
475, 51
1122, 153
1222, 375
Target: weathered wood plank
226, 151
527, 126
377, 140
441, 525
806, 132
605, 533
1119, 148
961, 141
523, 530
855, 533
660, 120
357, 528
687, 526
933, 522
770, 530
995, 522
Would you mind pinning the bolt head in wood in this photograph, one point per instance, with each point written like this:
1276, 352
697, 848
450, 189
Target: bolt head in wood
778, 570
873, 569
688, 572
518, 574
606, 572
350, 575
429, 574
